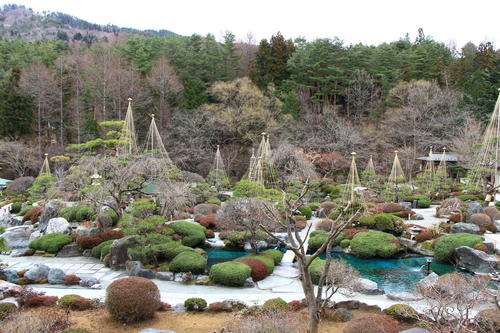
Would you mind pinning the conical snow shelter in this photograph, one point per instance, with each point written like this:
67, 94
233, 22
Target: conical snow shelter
370, 168
217, 175
45, 170
353, 179
485, 173
441, 170
397, 174
261, 169
128, 140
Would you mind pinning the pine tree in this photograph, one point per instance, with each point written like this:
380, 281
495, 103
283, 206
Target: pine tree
16, 109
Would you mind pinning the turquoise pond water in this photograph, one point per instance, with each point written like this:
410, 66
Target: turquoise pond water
392, 275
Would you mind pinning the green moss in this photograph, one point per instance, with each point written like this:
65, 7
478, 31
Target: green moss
101, 250
445, 245
423, 201
467, 197
230, 273
275, 304
306, 211
171, 249
192, 234
189, 261
277, 255
268, 260
345, 243
25, 210
316, 269
15, 207
195, 304
384, 222
316, 239
214, 201
68, 300
367, 221
373, 244
402, 312
51, 242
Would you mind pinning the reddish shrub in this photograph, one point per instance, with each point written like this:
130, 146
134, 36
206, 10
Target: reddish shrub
21, 273
372, 324
81, 304
164, 307
296, 305
405, 213
324, 224
259, 270
326, 207
20, 185
111, 234
492, 212
132, 299
481, 247
71, 279
423, 236
208, 221
300, 224
392, 207
484, 222
89, 242
215, 307
35, 301
33, 214
349, 233
459, 217
210, 234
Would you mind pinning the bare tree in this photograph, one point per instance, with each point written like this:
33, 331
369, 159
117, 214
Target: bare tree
361, 93
296, 243
292, 163
463, 143
19, 157
172, 196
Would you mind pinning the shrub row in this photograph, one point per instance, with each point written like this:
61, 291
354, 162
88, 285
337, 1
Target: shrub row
89, 242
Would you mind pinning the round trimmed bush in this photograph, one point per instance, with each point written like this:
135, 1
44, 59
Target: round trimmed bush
367, 221
195, 304
327, 206
445, 245
374, 244
372, 324
170, 250
188, 261
492, 212
75, 302
132, 299
345, 243
324, 224
317, 238
315, 269
402, 312
33, 214
98, 250
484, 222
275, 304
230, 273
85, 213
392, 207
259, 270
384, 222
277, 255
51, 242
423, 201
192, 234
15, 207
267, 260
306, 211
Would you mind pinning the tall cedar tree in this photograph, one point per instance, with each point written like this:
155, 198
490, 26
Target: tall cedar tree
16, 109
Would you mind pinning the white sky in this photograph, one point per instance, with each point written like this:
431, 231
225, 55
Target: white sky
366, 21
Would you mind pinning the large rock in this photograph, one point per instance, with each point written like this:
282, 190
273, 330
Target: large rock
341, 315
468, 228
56, 276
70, 250
10, 275
7, 220
135, 268
16, 238
38, 271
34, 235
368, 287
57, 224
118, 252
205, 209
49, 212
84, 231
428, 281
104, 222
475, 261
404, 297
415, 247
165, 276
88, 282
474, 207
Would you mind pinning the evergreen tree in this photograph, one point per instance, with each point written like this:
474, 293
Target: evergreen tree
16, 109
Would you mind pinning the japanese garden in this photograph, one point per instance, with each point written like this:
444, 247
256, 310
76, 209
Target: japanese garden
153, 182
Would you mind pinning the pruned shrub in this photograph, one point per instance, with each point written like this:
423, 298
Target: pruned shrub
317, 238
20, 185
316, 269
402, 312
230, 273
102, 249
50, 243
484, 222
71, 279
189, 261
326, 207
367, 221
75, 302
392, 207
90, 242
267, 260
275, 304
467, 197
216, 307
445, 245
372, 324
423, 236
374, 244
15, 207
423, 201
33, 214
208, 221
195, 304
492, 212
277, 255
259, 269
171, 249
345, 243
306, 211
192, 234
384, 222
36, 301
49, 320
324, 224
132, 299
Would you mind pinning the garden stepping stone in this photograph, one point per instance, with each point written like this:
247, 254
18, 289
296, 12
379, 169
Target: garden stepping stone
286, 271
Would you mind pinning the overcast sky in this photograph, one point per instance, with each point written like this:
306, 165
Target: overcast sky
366, 21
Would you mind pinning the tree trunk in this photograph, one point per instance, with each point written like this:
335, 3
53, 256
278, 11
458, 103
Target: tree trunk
312, 306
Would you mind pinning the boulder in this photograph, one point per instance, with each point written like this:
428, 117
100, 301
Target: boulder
38, 271
404, 297
473, 208
368, 287
7, 220
351, 304
341, 315
249, 283
34, 235
475, 261
406, 205
205, 209
56, 276
84, 231
21, 252
135, 268
49, 212
415, 247
16, 238
88, 282
118, 252
468, 228
165, 276
70, 250
232, 305
104, 222
57, 224
10, 274
428, 281
417, 216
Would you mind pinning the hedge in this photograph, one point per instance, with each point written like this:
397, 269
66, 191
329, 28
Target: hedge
232, 274
102, 249
306, 211
15, 207
51, 242
445, 245
192, 234
423, 201
277, 255
188, 261
374, 244
171, 249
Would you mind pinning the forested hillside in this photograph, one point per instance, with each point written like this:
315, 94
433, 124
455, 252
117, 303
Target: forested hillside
324, 96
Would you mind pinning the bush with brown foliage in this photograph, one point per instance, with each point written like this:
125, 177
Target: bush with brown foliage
392, 207
20, 185
492, 212
481, 247
326, 207
209, 221
297, 305
215, 307
132, 299
458, 217
35, 301
484, 222
210, 233
89, 242
324, 224
349, 233
33, 214
164, 307
24, 293
372, 324
49, 320
71, 279
259, 269
423, 236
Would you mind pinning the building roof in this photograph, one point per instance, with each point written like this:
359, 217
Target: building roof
437, 157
